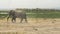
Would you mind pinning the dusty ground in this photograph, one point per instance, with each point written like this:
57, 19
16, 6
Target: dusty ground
34, 26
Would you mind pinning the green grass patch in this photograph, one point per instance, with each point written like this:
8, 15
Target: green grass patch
40, 15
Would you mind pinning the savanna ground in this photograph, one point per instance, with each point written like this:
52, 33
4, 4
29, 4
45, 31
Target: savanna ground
39, 22
34, 26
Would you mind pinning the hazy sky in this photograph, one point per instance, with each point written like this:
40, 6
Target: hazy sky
11, 4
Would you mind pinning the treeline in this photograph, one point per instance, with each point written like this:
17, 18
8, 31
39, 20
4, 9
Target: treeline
34, 10
37, 10
37, 13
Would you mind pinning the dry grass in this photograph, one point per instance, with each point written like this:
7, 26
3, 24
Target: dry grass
34, 26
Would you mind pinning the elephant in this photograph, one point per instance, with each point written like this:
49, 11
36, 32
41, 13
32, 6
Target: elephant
14, 14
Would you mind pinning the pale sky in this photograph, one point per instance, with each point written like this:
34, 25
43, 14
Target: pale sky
12, 4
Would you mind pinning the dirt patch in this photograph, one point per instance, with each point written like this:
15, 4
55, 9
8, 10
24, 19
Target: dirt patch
34, 26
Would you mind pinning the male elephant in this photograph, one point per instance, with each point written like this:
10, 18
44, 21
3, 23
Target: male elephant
14, 14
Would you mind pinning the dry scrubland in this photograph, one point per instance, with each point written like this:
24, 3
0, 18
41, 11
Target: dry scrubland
34, 26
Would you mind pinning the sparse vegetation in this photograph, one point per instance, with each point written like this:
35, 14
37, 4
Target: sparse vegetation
39, 13
41, 26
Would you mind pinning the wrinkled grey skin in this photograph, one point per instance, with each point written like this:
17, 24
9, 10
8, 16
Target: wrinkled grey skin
14, 15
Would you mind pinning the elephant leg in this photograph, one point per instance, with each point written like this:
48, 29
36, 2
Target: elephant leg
7, 18
13, 19
21, 20
26, 20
